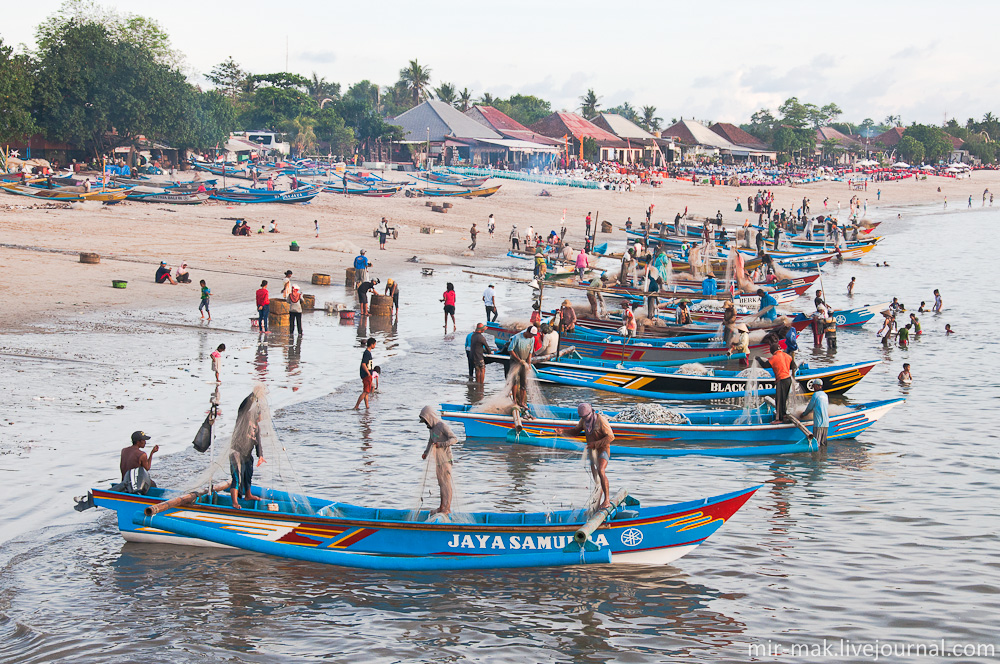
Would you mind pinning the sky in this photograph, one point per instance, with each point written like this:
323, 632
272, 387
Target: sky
717, 61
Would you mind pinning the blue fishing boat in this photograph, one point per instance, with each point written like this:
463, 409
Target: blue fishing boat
693, 430
637, 350
251, 195
657, 380
326, 531
224, 170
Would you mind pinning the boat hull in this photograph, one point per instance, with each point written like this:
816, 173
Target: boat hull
639, 535
704, 426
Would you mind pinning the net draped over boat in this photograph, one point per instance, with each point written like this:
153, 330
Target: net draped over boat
253, 435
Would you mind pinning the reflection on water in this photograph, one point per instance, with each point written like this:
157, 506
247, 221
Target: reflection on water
839, 544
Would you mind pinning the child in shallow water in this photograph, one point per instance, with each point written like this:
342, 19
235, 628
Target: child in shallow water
905, 376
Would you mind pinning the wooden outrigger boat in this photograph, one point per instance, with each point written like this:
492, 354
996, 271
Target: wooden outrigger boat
694, 427
249, 195
639, 350
452, 179
67, 194
455, 193
326, 531
659, 380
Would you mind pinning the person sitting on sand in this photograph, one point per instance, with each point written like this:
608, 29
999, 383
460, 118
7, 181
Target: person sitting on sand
183, 276
163, 274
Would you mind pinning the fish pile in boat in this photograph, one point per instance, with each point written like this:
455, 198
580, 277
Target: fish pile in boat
650, 413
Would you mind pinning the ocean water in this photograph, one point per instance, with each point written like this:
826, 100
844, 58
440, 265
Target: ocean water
890, 538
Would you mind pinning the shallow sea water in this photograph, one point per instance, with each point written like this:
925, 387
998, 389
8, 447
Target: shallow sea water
891, 537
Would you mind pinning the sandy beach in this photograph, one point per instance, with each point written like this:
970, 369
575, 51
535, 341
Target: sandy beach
47, 281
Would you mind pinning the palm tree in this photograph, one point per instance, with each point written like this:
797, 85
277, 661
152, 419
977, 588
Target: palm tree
300, 130
417, 78
463, 101
589, 103
650, 121
319, 89
487, 99
893, 121
446, 93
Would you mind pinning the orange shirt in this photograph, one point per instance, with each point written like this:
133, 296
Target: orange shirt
781, 364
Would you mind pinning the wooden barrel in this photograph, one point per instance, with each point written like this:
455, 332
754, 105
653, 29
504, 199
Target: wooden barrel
87, 257
606, 227
350, 279
447, 205
277, 320
430, 204
308, 302
437, 208
279, 307
380, 305
320, 279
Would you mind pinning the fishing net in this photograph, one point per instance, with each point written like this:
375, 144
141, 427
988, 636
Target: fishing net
502, 403
695, 369
751, 398
650, 413
254, 438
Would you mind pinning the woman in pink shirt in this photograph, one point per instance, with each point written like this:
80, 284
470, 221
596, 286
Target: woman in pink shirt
449, 307
581, 263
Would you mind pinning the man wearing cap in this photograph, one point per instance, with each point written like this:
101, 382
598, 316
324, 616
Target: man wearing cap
133, 455
490, 301
361, 264
597, 430
567, 318
163, 274
520, 349
477, 348
515, 243
363, 289
819, 406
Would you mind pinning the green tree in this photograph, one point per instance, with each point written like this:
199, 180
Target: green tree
16, 85
321, 89
937, 144
332, 132
366, 92
301, 134
139, 31
446, 93
910, 149
649, 120
463, 101
229, 78
526, 109
893, 121
487, 100
589, 103
591, 150
129, 94
417, 79
625, 110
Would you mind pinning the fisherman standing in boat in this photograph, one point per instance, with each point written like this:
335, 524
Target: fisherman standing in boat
597, 430
245, 441
520, 349
783, 366
819, 406
439, 444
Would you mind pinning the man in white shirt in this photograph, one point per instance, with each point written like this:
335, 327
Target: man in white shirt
489, 300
